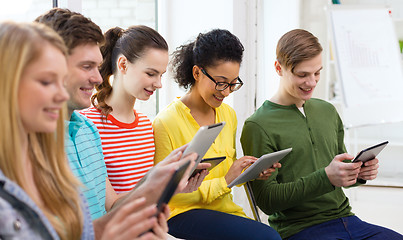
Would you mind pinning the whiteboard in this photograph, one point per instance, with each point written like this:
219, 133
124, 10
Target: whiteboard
368, 62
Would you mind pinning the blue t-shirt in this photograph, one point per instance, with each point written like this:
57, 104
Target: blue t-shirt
84, 151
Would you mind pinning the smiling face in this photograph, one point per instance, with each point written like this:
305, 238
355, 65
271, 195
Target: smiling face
41, 92
224, 71
141, 78
298, 86
83, 75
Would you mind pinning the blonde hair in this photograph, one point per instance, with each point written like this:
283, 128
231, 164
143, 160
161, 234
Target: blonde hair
20, 45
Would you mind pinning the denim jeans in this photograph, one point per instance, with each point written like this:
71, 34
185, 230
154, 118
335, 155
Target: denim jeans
203, 224
346, 228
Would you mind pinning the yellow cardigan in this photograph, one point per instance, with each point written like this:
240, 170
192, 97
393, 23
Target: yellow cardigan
173, 127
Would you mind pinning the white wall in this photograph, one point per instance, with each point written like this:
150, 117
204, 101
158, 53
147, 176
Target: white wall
180, 21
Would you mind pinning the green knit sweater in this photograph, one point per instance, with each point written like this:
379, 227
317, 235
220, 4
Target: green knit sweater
299, 194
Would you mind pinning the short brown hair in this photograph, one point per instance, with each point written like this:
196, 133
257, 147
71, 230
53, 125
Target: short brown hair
296, 46
73, 27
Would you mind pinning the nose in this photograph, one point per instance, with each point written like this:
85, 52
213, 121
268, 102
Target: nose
62, 94
312, 81
96, 77
158, 83
226, 91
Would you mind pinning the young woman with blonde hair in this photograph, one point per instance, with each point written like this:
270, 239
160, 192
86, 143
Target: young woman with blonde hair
34, 171
39, 196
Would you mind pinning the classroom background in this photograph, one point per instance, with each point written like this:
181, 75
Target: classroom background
259, 24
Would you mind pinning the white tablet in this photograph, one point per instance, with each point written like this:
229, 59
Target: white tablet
202, 141
254, 170
370, 153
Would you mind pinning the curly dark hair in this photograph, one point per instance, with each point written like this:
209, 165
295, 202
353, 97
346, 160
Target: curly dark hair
73, 27
206, 51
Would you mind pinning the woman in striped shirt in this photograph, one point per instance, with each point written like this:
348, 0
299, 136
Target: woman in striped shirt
136, 58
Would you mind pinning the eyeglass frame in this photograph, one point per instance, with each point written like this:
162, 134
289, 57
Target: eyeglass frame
224, 83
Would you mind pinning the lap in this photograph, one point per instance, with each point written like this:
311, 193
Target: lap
199, 224
346, 228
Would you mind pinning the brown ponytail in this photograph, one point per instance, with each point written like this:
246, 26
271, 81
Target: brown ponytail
106, 69
131, 43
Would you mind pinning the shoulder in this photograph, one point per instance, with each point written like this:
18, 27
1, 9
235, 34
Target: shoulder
265, 111
226, 111
84, 119
175, 110
91, 113
80, 126
142, 118
319, 105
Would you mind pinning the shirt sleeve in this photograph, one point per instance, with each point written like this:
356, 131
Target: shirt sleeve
271, 195
163, 144
208, 191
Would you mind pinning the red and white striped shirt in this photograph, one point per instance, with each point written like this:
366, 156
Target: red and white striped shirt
128, 148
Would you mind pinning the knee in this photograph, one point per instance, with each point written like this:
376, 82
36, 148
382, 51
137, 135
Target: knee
266, 233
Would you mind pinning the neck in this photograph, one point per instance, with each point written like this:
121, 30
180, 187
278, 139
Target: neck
196, 103
69, 113
285, 99
121, 102
199, 109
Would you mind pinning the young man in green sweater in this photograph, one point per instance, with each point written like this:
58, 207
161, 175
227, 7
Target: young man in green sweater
303, 198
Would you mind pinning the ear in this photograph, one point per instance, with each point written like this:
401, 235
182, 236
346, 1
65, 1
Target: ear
279, 69
196, 72
122, 64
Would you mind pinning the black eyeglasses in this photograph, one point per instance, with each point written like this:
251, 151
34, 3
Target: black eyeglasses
221, 86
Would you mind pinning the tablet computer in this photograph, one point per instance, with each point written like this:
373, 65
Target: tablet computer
370, 153
202, 141
254, 170
213, 161
171, 187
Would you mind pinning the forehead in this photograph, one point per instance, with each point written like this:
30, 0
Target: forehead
225, 68
50, 60
154, 58
310, 65
89, 52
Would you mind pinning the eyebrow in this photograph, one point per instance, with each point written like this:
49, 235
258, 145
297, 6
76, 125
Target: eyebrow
87, 62
309, 72
50, 73
154, 70
226, 79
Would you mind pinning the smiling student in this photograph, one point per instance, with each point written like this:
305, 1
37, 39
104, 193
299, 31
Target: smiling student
39, 197
83, 144
209, 68
136, 58
304, 198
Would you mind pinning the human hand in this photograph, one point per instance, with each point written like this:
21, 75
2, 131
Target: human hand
369, 170
267, 172
194, 182
237, 167
343, 174
161, 228
131, 221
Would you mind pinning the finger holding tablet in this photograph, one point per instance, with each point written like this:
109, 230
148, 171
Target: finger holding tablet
369, 168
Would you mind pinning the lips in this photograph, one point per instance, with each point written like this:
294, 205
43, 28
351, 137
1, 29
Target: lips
219, 98
306, 90
87, 91
149, 92
53, 113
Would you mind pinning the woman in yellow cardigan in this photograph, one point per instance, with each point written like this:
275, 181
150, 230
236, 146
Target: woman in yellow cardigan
209, 68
